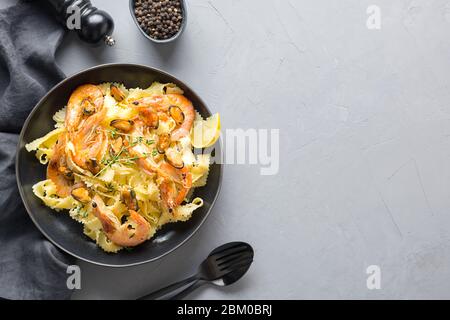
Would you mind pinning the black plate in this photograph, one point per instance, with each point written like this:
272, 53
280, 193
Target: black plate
58, 227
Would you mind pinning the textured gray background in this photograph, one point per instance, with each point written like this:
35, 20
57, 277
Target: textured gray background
364, 119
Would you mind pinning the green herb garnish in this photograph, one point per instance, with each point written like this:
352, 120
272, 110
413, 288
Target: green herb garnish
136, 141
110, 187
113, 133
111, 162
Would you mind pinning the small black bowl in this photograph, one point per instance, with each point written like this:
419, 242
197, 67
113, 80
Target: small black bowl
58, 227
176, 36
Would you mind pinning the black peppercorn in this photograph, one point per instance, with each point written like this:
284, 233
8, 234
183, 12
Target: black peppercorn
160, 19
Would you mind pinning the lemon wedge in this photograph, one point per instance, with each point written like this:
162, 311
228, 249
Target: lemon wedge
206, 132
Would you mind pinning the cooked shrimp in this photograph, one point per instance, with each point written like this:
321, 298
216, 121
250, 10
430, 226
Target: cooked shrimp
141, 151
84, 101
57, 169
146, 102
147, 164
188, 115
132, 233
149, 117
90, 144
175, 185
171, 195
176, 105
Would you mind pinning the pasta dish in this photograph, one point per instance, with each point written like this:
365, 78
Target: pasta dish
121, 161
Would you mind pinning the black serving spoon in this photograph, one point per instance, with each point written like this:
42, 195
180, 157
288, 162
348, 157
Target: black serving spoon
224, 266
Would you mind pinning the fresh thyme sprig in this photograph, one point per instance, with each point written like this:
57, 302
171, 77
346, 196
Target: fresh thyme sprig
132, 142
110, 162
113, 133
145, 155
136, 139
110, 187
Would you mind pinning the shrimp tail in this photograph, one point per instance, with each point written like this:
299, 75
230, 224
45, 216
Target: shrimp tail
129, 234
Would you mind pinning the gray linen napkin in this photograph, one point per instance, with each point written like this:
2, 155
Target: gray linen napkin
30, 266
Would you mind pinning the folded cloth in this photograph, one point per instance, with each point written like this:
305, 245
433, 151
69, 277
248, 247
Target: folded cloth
30, 266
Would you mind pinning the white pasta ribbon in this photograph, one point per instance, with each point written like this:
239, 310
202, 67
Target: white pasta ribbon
44, 145
200, 170
46, 191
59, 117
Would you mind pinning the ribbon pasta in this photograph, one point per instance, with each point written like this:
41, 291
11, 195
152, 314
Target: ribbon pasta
120, 175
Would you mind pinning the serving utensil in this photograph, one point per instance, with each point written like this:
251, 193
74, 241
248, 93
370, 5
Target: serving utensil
223, 266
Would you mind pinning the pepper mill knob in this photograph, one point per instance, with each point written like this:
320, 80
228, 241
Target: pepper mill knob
96, 26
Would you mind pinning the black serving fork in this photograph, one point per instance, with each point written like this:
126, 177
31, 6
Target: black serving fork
223, 266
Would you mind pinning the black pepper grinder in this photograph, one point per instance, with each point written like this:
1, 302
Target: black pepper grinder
95, 26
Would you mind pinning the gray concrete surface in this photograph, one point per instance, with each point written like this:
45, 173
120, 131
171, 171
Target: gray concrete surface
364, 119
